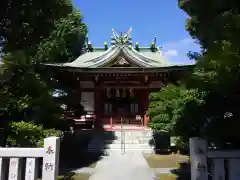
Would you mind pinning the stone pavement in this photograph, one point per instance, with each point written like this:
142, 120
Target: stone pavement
129, 166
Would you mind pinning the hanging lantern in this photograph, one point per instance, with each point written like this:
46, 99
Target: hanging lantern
131, 92
108, 92
124, 93
96, 78
146, 78
117, 93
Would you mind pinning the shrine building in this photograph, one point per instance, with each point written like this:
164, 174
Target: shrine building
114, 81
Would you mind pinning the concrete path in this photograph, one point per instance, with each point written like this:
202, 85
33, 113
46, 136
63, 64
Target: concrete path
155, 170
129, 166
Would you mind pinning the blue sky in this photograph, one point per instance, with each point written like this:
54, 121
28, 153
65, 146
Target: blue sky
148, 19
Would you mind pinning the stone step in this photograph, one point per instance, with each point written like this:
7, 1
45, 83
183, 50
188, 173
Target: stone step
128, 146
111, 141
128, 141
132, 134
135, 136
131, 138
109, 151
150, 150
128, 131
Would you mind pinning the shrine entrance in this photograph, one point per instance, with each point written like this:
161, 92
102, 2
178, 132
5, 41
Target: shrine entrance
123, 105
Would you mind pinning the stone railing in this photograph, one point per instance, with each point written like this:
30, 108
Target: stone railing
16, 161
209, 164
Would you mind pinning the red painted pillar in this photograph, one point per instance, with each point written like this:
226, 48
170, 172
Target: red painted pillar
145, 99
111, 121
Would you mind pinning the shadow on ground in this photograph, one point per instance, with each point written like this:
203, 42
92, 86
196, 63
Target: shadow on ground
74, 152
183, 172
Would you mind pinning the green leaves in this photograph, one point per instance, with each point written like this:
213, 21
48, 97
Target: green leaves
24, 24
34, 32
65, 42
212, 21
24, 85
216, 25
27, 134
168, 108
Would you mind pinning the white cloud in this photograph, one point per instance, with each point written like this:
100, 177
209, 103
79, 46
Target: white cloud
171, 52
185, 41
176, 51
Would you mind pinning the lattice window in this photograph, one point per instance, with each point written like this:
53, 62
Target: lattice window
134, 108
107, 109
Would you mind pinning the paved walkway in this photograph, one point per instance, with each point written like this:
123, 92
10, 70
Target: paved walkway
129, 166
155, 170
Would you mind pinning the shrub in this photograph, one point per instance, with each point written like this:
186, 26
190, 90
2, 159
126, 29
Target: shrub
27, 134
181, 143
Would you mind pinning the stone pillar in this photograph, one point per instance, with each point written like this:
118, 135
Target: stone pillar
51, 158
145, 103
198, 158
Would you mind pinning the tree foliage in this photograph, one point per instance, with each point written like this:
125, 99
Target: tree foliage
65, 42
212, 108
23, 24
29, 135
211, 22
26, 88
170, 110
26, 95
218, 73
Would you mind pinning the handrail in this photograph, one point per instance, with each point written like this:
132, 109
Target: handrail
122, 138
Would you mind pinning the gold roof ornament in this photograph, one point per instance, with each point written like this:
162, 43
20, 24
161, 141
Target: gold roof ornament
122, 38
120, 45
137, 46
105, 45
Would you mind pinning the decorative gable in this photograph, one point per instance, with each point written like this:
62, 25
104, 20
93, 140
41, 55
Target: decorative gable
121, 61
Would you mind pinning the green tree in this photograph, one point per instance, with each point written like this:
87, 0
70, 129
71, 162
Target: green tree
23, 24
32, 33
170, 110
217, 72
65, 42
26, 85
26, 95
211, 22
211, 110
215, 25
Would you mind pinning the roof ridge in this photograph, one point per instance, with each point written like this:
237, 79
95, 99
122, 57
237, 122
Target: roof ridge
102, 55
145, 57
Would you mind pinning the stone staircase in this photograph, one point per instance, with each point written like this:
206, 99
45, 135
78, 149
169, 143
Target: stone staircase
133, 140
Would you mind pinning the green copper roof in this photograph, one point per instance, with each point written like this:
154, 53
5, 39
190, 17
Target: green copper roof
121, 45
